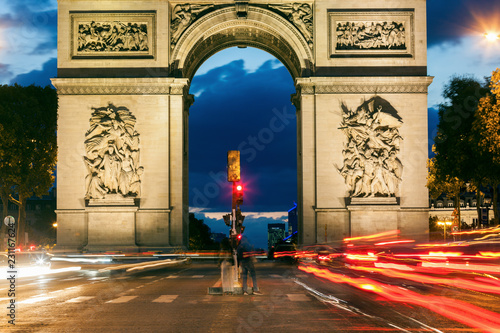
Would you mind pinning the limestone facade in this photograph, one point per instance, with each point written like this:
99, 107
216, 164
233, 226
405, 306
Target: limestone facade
140, 55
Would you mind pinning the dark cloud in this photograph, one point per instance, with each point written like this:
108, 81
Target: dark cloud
45, 47
38, 77
250, 112
4, 70
448, 20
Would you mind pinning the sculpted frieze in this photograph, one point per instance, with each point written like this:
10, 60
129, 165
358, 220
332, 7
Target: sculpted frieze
100, 35
374, 33
182, 16
371, 167
301, 15
112, 154
112, 36
370, 35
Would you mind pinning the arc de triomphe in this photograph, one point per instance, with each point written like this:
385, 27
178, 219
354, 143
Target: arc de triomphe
124, 70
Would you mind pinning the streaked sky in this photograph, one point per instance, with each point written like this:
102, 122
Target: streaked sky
240, 91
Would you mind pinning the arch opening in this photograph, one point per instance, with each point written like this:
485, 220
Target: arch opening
247, 110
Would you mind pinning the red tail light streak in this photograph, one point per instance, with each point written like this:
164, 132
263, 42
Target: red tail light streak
459, 311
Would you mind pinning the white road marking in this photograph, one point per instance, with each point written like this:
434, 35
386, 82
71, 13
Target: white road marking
35, 300
80, 299
148, 277
197, 276
123, 299
172, 276
165, 298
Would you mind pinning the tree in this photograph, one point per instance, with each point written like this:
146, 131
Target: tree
439, 183
457, 155
28, 153
199, 235
486, 130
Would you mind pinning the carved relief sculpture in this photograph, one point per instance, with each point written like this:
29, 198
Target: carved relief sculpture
113, 36
112, 154
371, 164
182, 16
301, 15
373, 35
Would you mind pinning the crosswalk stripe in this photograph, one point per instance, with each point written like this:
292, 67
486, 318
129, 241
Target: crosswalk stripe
165, 298
298, 297
79, 299
172, 276
148, 277
122, 278
197, 276
123, 299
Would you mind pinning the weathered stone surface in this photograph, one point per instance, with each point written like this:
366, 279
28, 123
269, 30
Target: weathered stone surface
162, 44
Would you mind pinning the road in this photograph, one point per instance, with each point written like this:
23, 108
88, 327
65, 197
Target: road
176, 299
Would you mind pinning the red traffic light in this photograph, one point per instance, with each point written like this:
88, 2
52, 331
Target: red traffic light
237, 194
239, 236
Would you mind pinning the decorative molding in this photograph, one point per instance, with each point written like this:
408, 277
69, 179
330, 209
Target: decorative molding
231, 32
112, 157
113, 35
252, 10
352, 85
123, 86
371, 167
370, 89
371, 33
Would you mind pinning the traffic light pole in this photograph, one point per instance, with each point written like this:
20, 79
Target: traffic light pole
233, 233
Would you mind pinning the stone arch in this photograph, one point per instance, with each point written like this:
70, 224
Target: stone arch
222, 29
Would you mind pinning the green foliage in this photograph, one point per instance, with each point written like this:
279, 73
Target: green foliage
486, 137
456, 156
28, 144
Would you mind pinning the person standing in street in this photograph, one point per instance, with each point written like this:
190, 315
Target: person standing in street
246, 262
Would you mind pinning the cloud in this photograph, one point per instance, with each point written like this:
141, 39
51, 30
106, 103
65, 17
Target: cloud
4, 70
255, 224
250, 112
38, 77
45, 48
449, 20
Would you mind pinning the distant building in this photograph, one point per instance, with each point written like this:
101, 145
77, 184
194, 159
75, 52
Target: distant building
275, 233
293, 219
443, 208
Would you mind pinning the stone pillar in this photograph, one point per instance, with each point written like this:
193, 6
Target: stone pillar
306, 164
156, 215
330, 209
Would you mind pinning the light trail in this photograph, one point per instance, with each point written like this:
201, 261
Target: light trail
459, 311
454, 282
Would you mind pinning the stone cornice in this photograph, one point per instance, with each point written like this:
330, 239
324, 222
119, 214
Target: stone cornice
120, 86
365, 85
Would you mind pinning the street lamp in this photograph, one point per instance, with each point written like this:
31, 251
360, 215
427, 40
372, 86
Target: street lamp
444, 224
